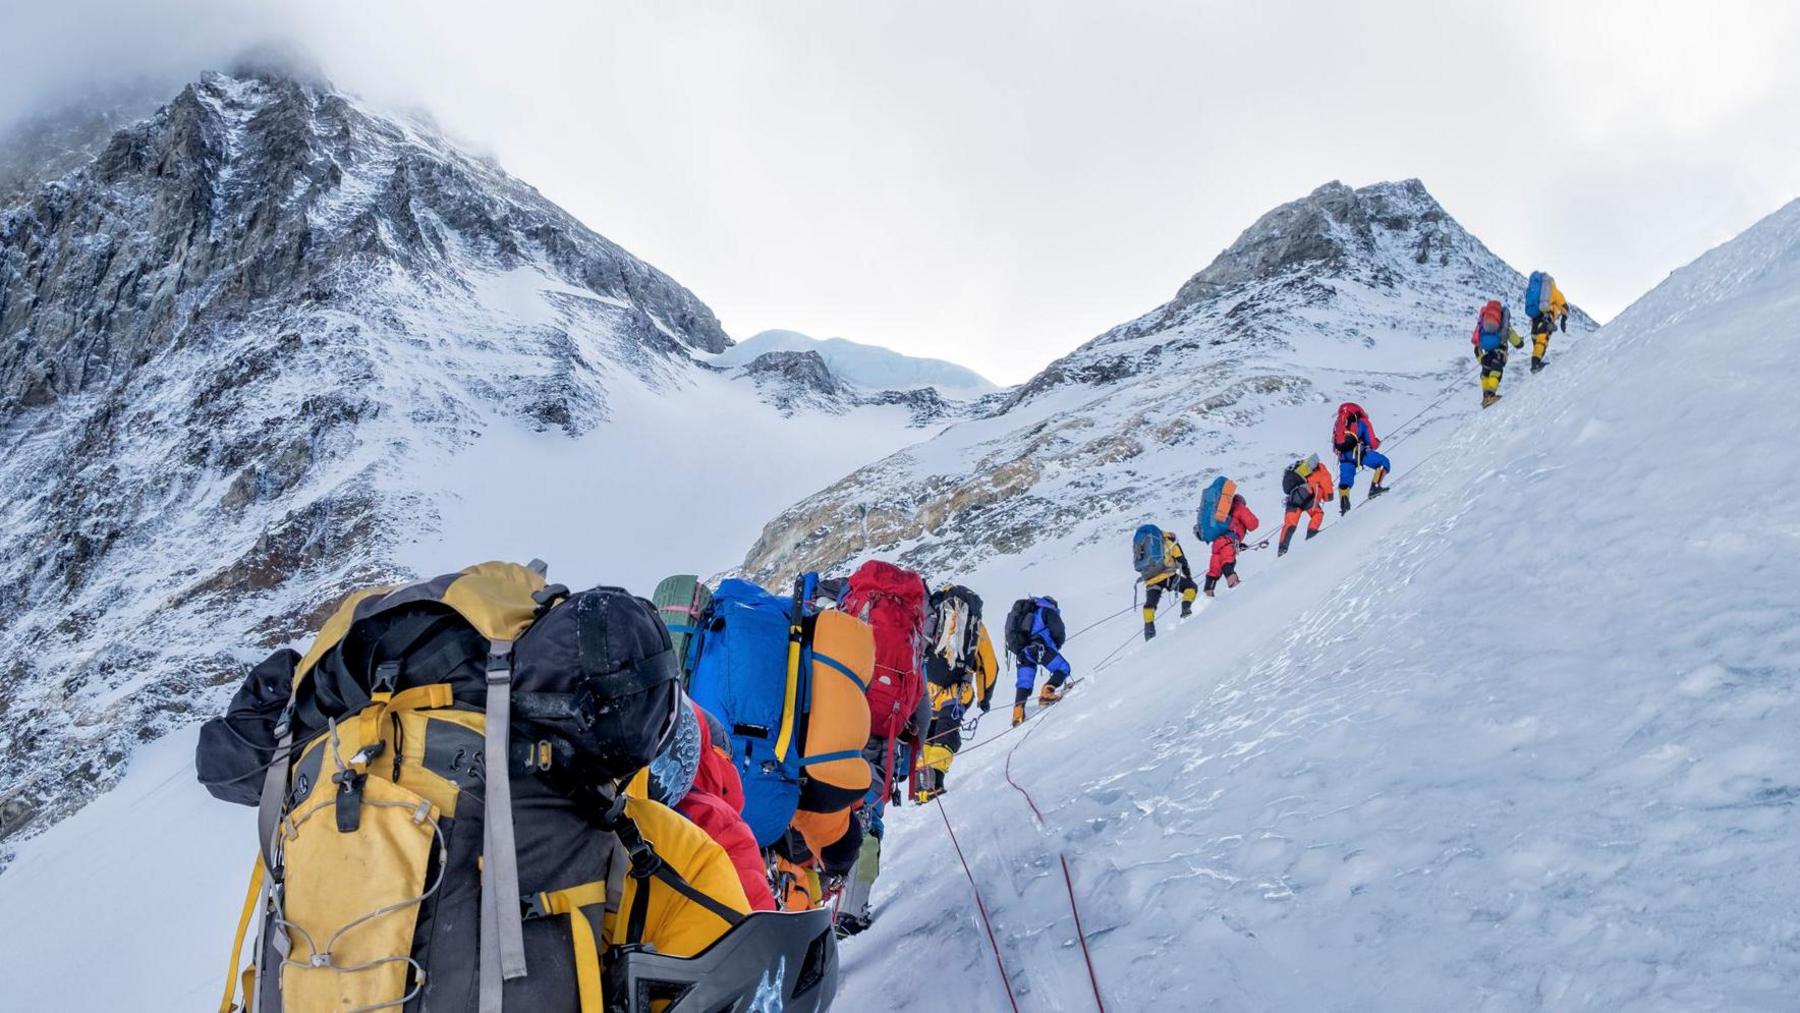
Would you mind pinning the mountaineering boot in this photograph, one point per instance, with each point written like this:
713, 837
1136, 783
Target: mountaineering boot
1231, 580
1536, 364
1187, 609
1049, 695
850, 925
1280, 550
1149, 631
1018, 714
1488, 399
1310, 532
1376, 490
1343, 502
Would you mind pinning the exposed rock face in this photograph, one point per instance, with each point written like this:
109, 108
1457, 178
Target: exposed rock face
247, 191
795, 380
791, 378
229, 345
1363, 294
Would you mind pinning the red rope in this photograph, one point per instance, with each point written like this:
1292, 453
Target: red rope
1068, 879
1081, 934
981, 907
1016, 786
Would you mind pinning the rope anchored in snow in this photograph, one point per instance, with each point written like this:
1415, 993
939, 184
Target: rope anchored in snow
1068, 878
980, 906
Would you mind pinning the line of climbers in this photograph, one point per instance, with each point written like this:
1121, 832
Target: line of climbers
1224, 519
1548, 311
485, 792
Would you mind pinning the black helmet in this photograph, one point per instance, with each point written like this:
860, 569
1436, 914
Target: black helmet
771, 960
596, 678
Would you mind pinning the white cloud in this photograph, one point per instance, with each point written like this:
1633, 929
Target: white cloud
995, 183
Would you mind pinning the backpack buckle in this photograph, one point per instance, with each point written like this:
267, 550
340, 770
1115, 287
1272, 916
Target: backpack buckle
349, 800
386, 677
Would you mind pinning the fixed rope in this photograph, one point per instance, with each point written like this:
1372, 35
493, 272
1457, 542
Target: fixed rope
1099, 622
1068, 877
1103, 662
1444, 395
980, 906
1081, 934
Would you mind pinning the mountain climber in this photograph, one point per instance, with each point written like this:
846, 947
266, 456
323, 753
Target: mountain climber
695, 776
894, 601
369, 753
1357, 446
1307, 484
1548, 310
1493, 333
960, 672
1169, 569
1034, 637
1240, 522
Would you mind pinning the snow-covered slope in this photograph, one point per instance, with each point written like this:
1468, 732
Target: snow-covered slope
1364, 294
1518, 736
869, 366
270, 343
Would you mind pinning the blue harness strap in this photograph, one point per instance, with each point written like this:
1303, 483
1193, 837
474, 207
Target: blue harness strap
840, 666
843, 754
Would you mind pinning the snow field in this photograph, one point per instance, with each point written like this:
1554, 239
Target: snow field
1518, 736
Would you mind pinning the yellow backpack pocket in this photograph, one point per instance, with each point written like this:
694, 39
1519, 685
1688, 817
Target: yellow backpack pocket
349, 905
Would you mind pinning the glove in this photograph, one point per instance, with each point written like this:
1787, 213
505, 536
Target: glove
1563, 324
984, 705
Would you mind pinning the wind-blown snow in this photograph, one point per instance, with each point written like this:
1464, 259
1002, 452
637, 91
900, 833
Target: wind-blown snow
871, 367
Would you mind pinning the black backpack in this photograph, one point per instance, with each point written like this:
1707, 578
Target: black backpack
969, 634
1018, 625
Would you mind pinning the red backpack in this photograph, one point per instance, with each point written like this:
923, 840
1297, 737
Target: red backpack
1493, 317
892, 600
1348, 414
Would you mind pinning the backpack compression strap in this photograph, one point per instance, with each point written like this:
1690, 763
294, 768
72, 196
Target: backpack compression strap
502, 923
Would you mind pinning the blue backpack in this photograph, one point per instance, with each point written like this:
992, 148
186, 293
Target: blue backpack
1214, 518
1147, 551
740, 675
1537, 294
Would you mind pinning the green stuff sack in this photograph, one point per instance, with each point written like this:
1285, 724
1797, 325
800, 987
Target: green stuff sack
680, 602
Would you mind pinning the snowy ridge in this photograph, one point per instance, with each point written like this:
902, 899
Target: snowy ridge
868, 366
1516, 736
1364, 295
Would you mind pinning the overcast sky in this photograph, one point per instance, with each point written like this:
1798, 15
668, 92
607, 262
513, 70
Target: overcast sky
995, 183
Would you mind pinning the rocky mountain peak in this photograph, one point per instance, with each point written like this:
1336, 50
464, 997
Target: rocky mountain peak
1359, 294
247, 345
1333, 229
263, 186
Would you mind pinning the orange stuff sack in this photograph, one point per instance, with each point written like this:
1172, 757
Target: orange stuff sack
842, 660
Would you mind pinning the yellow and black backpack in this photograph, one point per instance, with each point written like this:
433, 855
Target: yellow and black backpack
442, 811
